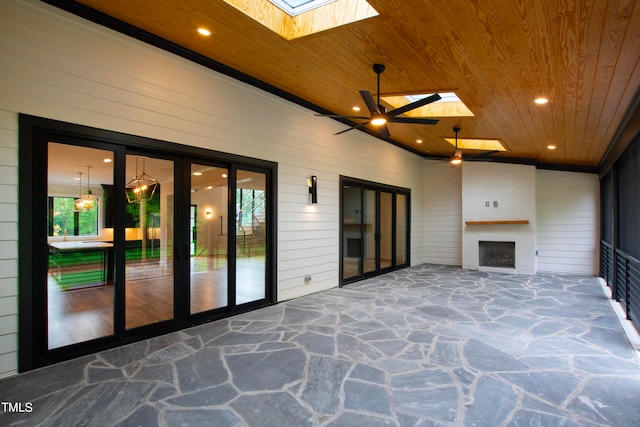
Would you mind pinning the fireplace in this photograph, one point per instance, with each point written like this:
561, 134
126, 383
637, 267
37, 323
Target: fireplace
497, 254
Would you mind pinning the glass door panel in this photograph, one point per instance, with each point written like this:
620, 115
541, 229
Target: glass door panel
385, 234
149, 236
80, 294
369, 231
351, 231
401, 229
209, 238
251, 236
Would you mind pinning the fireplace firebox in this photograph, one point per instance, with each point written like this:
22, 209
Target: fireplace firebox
497, 254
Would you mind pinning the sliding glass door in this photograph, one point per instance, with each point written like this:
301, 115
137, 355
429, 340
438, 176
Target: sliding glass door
374, 229
209, 262
130, 240
80, 272
251, 231
149, 240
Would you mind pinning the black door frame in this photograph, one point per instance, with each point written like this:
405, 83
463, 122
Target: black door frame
34, 135
378, 189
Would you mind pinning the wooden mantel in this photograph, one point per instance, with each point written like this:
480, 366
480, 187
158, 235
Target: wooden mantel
513, 221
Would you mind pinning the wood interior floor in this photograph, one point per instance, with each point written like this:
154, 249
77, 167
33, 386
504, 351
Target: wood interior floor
84, 314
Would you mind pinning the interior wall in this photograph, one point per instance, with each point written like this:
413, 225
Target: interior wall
58, 66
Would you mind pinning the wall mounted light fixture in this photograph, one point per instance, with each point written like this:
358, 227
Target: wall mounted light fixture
208, 213
313, 189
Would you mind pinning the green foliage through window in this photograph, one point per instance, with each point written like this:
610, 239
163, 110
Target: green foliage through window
64, 221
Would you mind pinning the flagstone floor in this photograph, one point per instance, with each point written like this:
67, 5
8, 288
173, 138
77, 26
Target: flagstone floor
425, 346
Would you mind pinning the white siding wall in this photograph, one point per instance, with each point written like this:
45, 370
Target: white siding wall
58, 66
442, 213
568, 222
8, 241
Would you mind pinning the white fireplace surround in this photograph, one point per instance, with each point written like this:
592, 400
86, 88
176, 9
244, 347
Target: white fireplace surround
499, 204
521, 234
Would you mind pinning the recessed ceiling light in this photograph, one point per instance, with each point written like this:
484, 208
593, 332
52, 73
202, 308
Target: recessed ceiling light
107, 160
356, 108
224, 175
203, 31
419, 141
210, 187
197, 173
551, 147
541, 101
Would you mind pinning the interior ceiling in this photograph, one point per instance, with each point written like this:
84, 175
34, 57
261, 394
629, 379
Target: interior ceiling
497, 55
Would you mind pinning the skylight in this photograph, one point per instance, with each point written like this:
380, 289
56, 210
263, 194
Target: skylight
477, 144
449, 106
296, 7
293, 19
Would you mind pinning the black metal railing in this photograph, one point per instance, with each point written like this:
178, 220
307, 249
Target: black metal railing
607, 262
626, 284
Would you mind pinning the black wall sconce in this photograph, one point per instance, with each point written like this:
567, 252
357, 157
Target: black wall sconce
313, 189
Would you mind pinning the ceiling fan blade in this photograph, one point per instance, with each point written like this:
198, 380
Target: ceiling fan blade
352, 128
338, 116
481, 155
414, 120
384, 131
414, 105
371, 103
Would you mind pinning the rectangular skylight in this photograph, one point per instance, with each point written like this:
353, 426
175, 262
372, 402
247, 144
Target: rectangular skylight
449, 106
477, 144
296, 7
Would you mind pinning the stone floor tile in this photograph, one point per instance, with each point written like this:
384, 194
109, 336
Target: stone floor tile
428, 345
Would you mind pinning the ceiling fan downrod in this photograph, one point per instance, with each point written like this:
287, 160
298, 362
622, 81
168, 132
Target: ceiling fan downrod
378, 69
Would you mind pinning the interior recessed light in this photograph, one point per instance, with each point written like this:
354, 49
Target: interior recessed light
356, 108
203, 31
419, 141
197, 173
551, 147
541, 101
107, 160
224, 175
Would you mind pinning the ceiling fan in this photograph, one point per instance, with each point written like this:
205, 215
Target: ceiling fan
456, 158
380, 116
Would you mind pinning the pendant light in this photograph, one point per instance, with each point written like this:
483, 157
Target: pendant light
85, 202
456, 159
141, 187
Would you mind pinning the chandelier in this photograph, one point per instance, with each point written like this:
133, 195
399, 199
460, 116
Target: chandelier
141, 187
85, 202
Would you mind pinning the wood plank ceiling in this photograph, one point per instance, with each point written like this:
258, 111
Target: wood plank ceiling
497, 55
